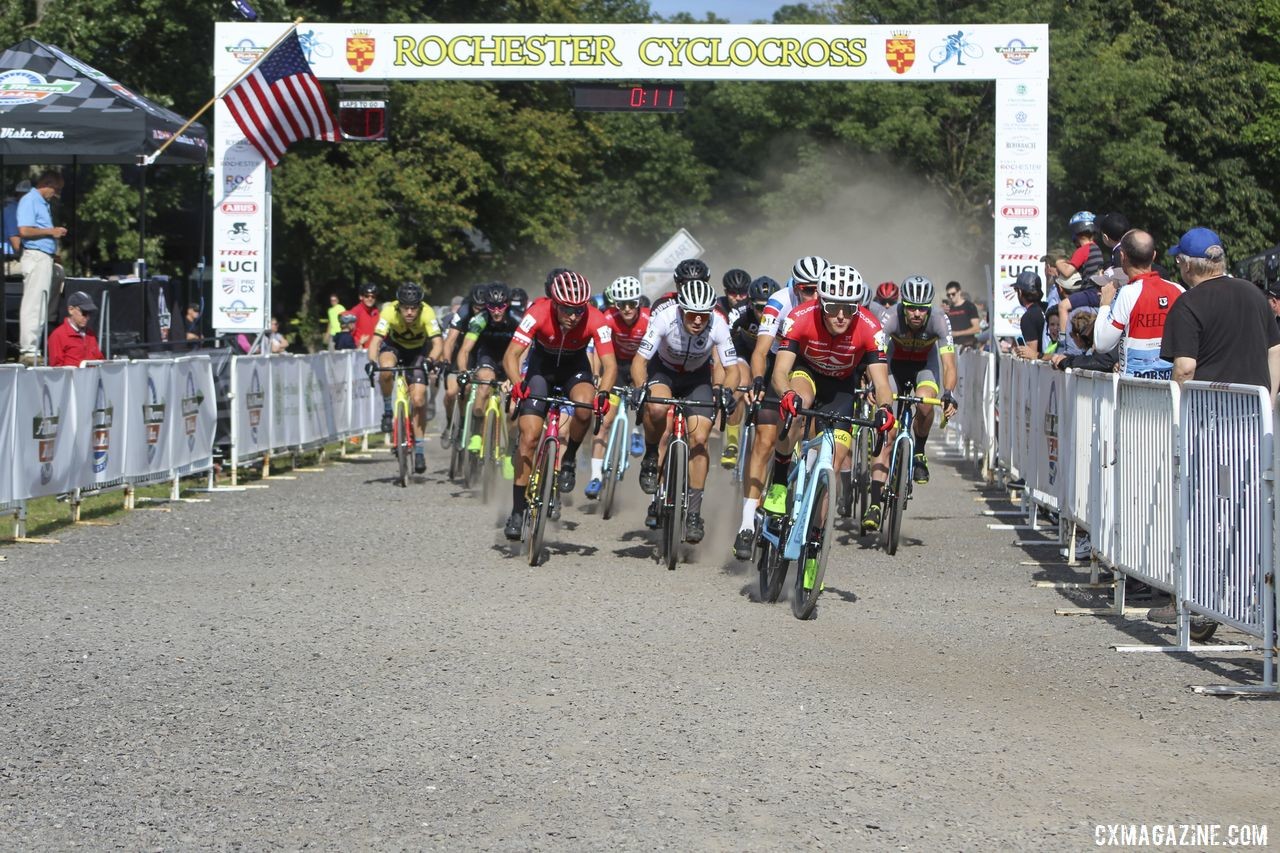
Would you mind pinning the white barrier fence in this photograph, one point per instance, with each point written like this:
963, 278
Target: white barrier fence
1175, 485
289, 403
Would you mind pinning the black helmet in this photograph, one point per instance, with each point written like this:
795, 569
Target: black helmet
499, 294
1028, 281
519, 298
736, 281
551, 276
409, 294
479, 294
368, 287
762, 288
690, 269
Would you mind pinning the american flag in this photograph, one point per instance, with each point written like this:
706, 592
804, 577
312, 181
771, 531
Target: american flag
280, 102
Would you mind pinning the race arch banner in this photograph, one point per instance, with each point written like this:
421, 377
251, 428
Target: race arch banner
1016, 56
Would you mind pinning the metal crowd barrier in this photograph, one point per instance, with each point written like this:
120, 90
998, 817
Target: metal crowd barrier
975, 420
1174, 485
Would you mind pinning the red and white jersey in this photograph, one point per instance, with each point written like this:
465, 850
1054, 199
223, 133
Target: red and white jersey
837, 356
1138, 313
541, 326
677, 350
775, 313
626, 339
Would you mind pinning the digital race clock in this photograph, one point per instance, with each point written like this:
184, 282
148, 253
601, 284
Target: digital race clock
647, 98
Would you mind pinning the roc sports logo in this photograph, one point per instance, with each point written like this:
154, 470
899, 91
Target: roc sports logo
28, 87
900, 52
360, 50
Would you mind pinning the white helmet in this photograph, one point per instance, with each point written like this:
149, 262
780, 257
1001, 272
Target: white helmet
696, 295
625, 288
809, 268
842, 284
917, 290
867, 295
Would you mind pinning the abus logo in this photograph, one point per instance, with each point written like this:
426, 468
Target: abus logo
1019, 211
237, 208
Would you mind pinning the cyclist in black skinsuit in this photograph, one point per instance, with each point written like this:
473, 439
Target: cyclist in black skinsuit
743, 330
488, 334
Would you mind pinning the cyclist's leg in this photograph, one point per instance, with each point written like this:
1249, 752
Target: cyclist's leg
804, 383
836, 395
601, 439
388, 356
417, 379
899, 377
696, 387
761, 452
484, 373
926, 386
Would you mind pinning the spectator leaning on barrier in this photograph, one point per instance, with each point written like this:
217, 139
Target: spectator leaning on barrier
1087, 257
345, 339
1221, 329
367, 312
73, 341
279, 343
1135, 314
1027, 288
1112, 227
336, 309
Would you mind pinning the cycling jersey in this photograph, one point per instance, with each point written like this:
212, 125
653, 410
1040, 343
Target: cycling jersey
744, 330
392, 327
489, 336
775, 313
882, 312
680, 351
728, 312
1137, 318
541, 327
626, 339
837, 356
908, 345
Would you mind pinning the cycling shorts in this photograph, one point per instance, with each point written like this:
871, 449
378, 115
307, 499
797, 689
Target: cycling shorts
694, 385
922, 374
767, 414
544, 374
484, 358
415, 358
829, 395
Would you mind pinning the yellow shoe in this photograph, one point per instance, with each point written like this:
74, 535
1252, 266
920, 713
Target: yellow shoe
508, 469
474, 444
810, 572
729, 458
776, 501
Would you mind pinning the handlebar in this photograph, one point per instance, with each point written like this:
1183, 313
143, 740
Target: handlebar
553, 400
833, 418
715, 405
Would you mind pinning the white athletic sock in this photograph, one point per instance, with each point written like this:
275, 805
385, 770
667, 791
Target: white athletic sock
597, 469
749, 506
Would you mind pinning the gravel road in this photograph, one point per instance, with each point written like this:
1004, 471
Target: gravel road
339, 663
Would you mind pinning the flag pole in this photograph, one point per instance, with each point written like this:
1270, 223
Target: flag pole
148, 159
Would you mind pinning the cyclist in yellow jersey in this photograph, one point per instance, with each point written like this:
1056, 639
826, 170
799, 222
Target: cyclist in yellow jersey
407, 334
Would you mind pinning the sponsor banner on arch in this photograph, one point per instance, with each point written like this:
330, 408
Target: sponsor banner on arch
1021, 192
642, 52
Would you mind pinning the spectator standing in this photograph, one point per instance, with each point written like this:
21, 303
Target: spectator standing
12, 240
1027, 288
1273, 297
1087, 257
366, 312
336, 310
345, 339
191, 322
277, 341
1221, 329
1136, 314
39, 246
1112, 227
963, 314
73, 341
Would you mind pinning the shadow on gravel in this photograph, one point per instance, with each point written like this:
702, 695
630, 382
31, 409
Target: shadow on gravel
562, 548
644, 551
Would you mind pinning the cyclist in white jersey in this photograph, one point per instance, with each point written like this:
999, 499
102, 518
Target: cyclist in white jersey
674, 361
801, 288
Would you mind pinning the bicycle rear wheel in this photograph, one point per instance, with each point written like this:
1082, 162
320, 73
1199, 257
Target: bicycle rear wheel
402, 432
614, 456
540, 499
771, 568
744, 459
675, 492
900, 481
490, 457
862, 471
817, 547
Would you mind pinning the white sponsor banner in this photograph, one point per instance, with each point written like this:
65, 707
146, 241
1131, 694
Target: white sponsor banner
8, 438
286, 393
102, 411
250, 406
196, 416
44, 459
337, 382
643, 52
366, 404
241, 227
150, 423
317, 423
1021, 192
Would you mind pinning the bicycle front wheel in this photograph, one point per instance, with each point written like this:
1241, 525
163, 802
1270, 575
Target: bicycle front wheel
675, 490
490, 457
402, 432
771, 568
817, 547
894, 508
540, 499
614, 457
744, 459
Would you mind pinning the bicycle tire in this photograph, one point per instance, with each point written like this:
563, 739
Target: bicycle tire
467, 460
862, 472
540, 503
817, 546
490, 457
771, 570
901, 477
675, 490
613, 461
404, 448
972, 51
744, 459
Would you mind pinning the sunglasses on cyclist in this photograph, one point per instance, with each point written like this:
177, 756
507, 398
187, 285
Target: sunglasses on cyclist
922, 309
697, 315
629, 305
758, 307
807, 289
496, 306
572, 310
835, 309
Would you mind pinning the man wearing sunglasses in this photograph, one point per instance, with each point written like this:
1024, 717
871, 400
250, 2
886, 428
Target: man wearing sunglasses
825, 346
920, 347
488, 335
628, 321
679, 343
802, 288
555, 331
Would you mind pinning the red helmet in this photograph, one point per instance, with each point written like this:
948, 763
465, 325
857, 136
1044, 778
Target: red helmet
570, 288
887, 292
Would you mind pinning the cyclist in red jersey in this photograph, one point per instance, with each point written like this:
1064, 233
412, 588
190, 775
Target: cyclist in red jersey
627, 321
556, 330
824, 346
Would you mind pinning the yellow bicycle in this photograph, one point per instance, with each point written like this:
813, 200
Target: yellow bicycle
401, 418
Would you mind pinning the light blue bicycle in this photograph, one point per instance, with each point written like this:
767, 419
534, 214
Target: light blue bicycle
616, 458
803, 534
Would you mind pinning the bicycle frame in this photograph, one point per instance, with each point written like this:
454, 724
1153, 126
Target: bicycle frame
619, 433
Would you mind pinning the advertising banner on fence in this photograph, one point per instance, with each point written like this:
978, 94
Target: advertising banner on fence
317, 423
286, 404
250, 406
8, 393
45, 456
196, 415
102, 405
366, 402
150, 423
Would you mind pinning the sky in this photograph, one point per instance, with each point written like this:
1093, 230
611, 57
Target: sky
736, 11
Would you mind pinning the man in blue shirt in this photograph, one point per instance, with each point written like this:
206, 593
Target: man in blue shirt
39, 245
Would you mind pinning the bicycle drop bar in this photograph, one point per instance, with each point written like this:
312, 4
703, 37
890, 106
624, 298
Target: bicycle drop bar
399, 368
690, 404
561, 403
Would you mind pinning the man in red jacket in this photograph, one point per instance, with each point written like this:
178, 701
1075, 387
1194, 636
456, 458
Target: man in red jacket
73, 341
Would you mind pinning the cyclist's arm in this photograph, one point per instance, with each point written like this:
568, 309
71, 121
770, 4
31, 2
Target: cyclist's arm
718, 370
608, 371
512, 358
781, 379
464, 352
375, 347
450, 342
879, 375
639, 370
437, 348
949, 372
760, 357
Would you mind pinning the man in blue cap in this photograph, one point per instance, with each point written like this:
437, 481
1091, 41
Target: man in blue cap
1221, 329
